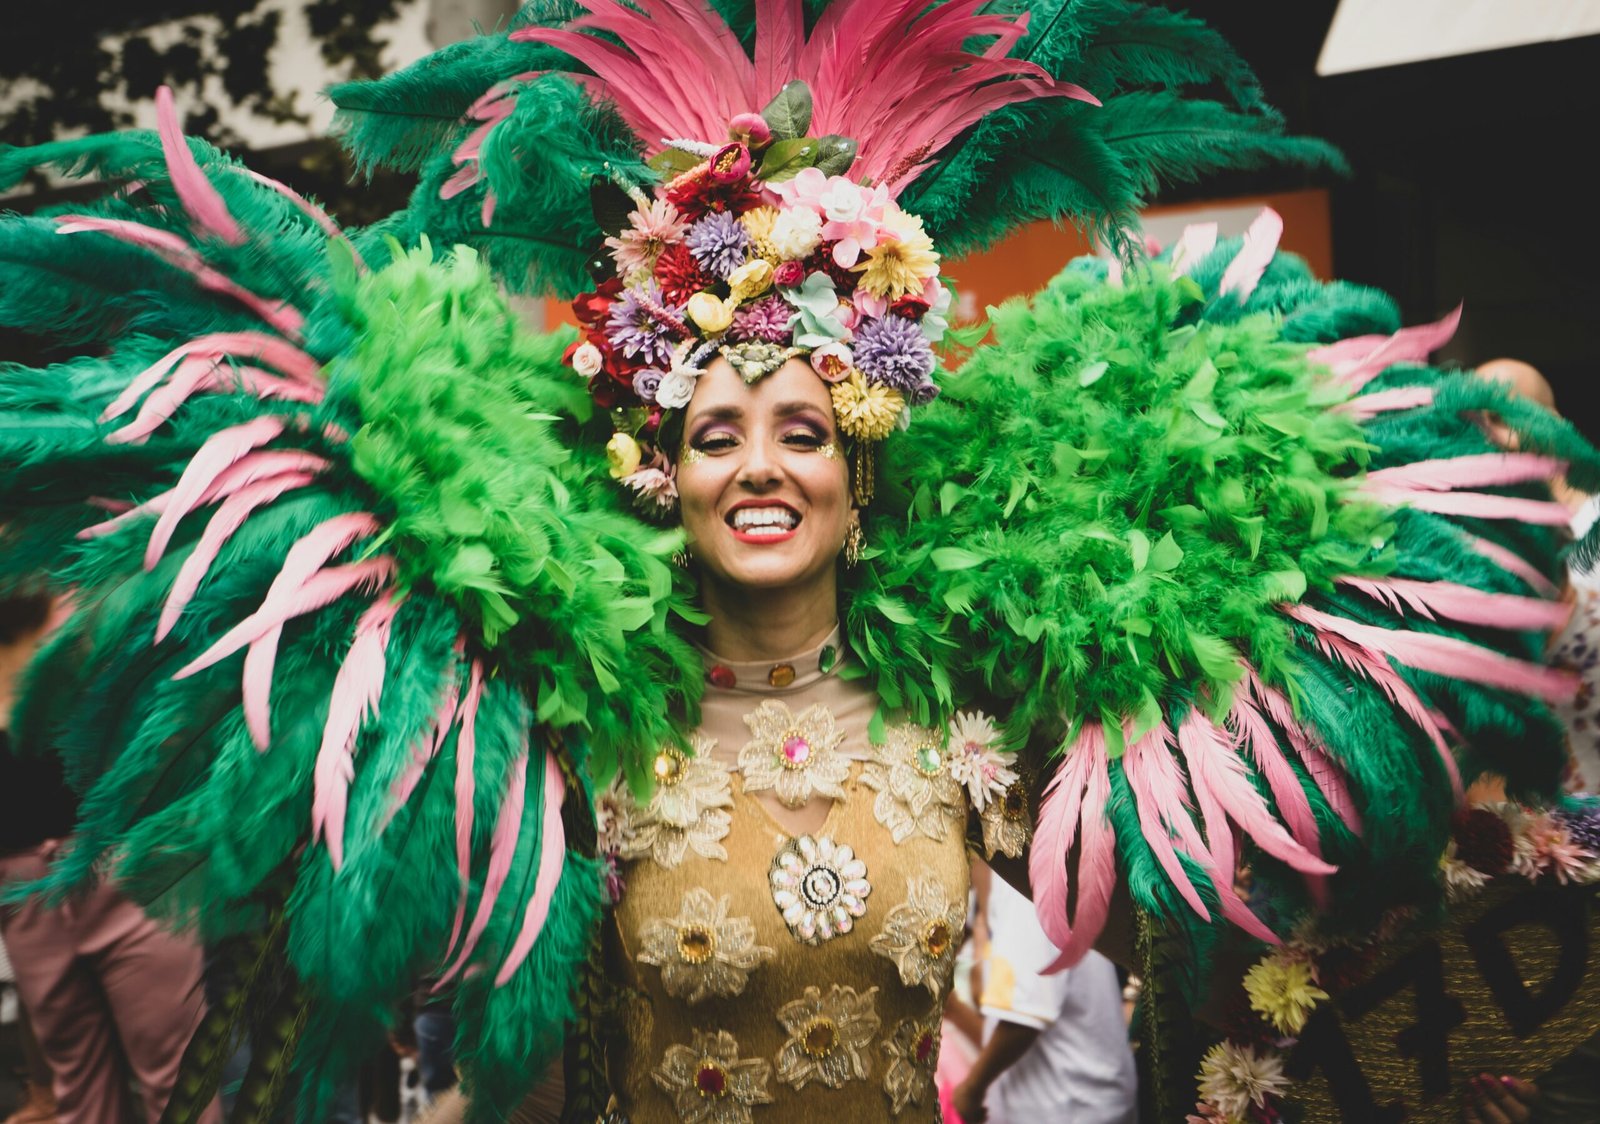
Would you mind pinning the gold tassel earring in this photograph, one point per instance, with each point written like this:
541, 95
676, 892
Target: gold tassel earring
854, 541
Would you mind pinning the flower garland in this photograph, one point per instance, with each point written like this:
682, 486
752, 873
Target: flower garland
757, 251
1242, 1080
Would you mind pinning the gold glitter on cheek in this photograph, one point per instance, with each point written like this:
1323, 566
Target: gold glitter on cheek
830, 450
691, 455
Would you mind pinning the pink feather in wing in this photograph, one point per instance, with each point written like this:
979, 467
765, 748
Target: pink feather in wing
199, 198
1472, 505
1257, 737
1215, 770
1260, 246
1097, 864
1479, 470
552, 854
1513, 563
357, 690
1464, 603
1360, 359
425, 750
1445, 655
220, 450
1367, 406
1056, 831
466, 751
1324, 772
502, 849
1159, 798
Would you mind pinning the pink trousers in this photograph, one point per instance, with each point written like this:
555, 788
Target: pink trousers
105, 986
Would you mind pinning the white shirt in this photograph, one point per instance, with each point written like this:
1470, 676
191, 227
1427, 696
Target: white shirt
1080, 1068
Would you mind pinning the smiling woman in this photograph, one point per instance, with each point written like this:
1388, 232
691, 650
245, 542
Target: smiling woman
765, 497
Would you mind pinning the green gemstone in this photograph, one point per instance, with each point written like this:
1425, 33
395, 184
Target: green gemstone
829, 657
929, 760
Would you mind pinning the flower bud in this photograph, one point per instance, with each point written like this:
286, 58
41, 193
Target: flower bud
623, 455
710, 313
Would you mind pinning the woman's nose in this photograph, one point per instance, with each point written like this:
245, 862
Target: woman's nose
760, 469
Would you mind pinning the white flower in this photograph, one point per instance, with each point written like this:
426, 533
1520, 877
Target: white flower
1236, 1077
842, 201
676, 387
796, 233
1461, 881
587, 360
936, 321
820, 888
976, 759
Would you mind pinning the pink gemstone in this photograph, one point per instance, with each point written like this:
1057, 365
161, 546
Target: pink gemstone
796, 750
722, 676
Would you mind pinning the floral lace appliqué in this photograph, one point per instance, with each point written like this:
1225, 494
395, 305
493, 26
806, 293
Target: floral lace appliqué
828, 1038
819, 887
912, 1052
796, 757
702, 951
922, 933
916, 793
1007, 825
709, 1084
687, 812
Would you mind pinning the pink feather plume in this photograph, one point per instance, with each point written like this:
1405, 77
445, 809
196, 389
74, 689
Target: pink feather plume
1257, 738
1464, 603
1513, 563
221, 450
1366, 406
1360, 359
199, 198
1216, 770
552, 854
1260, 245
1160, 798
357, 690
425, 750
229, 517
1325, 773
466, 751
502, 849
1479, 470
1474, 505
1097, 863
315, 213
1376, 668
1196, 241
249, 346
1445, 655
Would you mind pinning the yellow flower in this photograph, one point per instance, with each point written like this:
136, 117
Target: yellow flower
758, 224
623, 455
1283, 990
902, 261
864, 411
750, 279
712, 314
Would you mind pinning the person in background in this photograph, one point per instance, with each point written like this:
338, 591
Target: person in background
1055, 1047
104, 986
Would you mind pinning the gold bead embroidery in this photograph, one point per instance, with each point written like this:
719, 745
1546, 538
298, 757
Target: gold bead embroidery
919, 935
702, 951
916, 794
829, 1037
709, 1083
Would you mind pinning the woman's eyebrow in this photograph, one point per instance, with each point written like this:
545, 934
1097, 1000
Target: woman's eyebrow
732, 411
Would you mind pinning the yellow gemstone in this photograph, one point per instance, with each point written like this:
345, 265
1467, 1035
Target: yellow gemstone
781, 675
696, 944
936, 941
820, 1037
669, 767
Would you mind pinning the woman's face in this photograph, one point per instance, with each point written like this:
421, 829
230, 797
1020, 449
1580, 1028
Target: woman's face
763, 483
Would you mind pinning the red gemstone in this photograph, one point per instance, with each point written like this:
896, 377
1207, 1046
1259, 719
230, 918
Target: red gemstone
711, 1080
924, 1047
721, 676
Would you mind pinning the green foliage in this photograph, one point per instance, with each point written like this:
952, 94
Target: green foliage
1103, 508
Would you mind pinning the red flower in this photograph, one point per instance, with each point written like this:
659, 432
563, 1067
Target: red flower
912, 308
698, 192
789, 275
1483, 841
679, 275
592, 308
844, 280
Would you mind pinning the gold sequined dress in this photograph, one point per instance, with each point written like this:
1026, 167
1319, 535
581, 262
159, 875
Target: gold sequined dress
795, 895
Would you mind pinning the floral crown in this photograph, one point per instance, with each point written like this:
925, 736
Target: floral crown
758, 251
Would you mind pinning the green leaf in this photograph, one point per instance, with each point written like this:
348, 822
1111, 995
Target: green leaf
1093, 373
1139, 545
1166, 554
789, 114
954, 558
788, 158
670, 163
835, 154
1112, 724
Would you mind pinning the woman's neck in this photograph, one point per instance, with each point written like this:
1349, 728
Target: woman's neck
748, 625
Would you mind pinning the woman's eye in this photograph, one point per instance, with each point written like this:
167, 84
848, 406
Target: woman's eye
805, 438
714, 442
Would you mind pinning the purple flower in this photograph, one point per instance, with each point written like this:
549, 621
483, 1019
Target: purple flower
892, 351
645, 383
644, 326
1583, 825
718, 243
766, 319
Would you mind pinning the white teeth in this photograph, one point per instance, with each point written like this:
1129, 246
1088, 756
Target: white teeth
764, 520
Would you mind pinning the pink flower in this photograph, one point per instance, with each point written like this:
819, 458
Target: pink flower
1551, 850
789, 275
804, 190
833, 362
869, 305
731, 163
752, 129
650, 231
